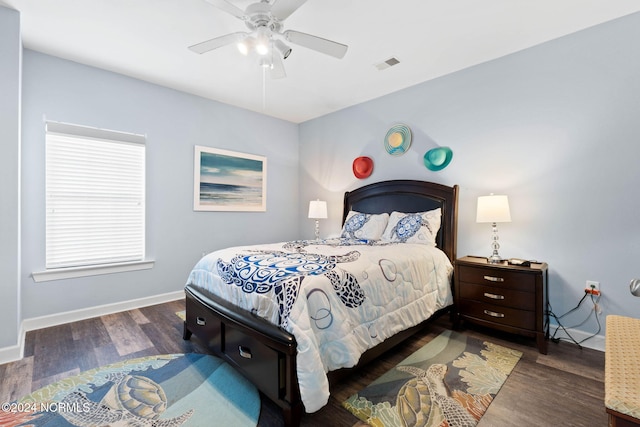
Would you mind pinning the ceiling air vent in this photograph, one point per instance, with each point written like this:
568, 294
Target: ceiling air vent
388, 63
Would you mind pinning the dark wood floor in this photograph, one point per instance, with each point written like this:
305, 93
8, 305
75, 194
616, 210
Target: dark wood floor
563, 388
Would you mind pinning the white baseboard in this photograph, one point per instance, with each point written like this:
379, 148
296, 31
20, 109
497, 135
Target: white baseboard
9, 354
593, 342
16, 352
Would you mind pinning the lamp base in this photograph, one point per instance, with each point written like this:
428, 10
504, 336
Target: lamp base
494, 259
317, 230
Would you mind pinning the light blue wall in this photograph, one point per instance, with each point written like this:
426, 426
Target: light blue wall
10, 62
555, 127
174, 123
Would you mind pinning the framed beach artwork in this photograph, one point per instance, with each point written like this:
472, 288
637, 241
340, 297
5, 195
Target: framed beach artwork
229, 181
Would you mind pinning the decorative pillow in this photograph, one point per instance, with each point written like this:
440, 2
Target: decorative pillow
420, 227
364, 226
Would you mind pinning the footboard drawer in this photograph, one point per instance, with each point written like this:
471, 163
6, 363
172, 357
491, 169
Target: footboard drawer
261, 363
261, 351
203, 323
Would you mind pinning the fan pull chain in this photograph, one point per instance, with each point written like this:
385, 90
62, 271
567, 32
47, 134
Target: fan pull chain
264, 88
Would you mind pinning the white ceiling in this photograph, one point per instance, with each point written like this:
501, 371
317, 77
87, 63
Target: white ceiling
148, 39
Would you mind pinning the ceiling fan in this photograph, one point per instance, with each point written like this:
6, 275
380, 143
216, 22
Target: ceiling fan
265, 36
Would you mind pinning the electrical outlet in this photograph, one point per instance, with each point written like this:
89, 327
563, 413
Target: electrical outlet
592, 287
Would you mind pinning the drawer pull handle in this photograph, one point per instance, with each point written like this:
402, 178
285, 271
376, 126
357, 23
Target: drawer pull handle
493, 313
201, 321
494, 279
244, 352
493, 296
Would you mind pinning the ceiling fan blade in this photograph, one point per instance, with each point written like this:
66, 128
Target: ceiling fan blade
225, 6
283, 8
328, 47
217, 42
277, 67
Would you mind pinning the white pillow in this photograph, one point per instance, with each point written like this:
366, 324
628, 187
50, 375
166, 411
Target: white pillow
420, 227
364, 226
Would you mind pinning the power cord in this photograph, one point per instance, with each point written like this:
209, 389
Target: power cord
596, 310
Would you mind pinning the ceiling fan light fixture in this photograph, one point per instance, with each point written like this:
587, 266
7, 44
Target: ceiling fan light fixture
281, 47
262, 49
265, 63
244, 46
262, 41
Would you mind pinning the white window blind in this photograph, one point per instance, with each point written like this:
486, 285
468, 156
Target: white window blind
95, 196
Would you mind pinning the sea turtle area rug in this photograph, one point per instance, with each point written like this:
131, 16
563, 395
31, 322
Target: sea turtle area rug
449, 382
168, 390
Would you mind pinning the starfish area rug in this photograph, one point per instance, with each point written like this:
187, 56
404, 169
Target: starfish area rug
449, 382
164, 391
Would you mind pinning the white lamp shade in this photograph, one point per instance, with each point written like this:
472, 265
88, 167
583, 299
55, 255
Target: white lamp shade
493, 208
318, 209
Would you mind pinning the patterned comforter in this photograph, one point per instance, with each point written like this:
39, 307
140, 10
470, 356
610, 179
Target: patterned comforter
338, 297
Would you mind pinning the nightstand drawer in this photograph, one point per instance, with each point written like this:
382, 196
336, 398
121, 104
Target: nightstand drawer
498, 296
497, 277
497, 314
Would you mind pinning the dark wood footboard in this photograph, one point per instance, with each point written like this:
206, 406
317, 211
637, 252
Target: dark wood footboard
262, 352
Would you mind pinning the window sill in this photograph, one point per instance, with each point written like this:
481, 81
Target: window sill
94, 270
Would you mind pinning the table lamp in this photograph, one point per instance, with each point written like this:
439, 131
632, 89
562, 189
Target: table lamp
317, 211
493, 209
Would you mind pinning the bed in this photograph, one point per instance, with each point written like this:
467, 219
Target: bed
277, 345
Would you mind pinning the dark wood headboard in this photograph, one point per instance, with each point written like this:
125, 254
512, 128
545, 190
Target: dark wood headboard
410, 196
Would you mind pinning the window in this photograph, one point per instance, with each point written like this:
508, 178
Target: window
95, 196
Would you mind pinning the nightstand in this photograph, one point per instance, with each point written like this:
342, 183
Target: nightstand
505, 297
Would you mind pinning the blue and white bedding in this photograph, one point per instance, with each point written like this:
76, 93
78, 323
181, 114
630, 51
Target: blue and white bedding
337, 297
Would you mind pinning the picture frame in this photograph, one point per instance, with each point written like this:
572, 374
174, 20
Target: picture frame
226, 180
